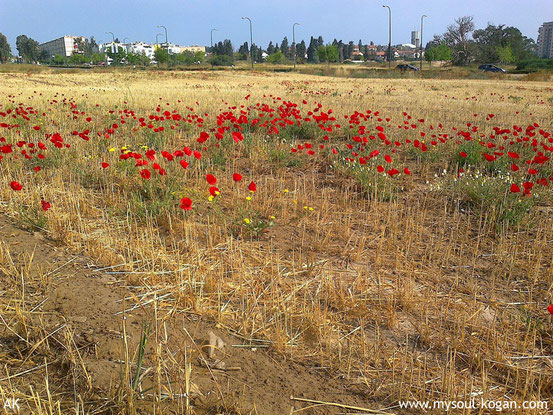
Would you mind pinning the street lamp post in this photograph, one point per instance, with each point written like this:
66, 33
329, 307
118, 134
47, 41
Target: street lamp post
112, 41
211, 37
389, 36
158, 34
420, 57
294, 42
251, 38
166, 41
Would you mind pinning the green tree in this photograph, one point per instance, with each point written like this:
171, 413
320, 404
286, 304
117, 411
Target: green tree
222, 60
301, 50
96, 58
440, 52
328, 53
118, 56
77, 59
312, 56
257, 53
505, 54
284, 47
59, 60
91, 47
243, 52
199, 56
27, 48
161, 55
493, 39
276, 57
5, 50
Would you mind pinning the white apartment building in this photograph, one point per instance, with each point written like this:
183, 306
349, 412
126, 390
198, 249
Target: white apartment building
141, 48
112, 47
64, 46
173, 49
545, 40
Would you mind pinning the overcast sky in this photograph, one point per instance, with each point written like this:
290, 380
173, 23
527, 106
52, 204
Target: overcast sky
190, 21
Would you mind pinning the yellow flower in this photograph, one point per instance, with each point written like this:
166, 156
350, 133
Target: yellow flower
286, 190
210, 198
248, 198
305, 207
311, 209
247, 220
272, 217
111, 150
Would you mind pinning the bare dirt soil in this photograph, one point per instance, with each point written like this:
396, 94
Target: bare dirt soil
63, 320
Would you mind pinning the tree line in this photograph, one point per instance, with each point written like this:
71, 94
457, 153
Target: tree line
461, 44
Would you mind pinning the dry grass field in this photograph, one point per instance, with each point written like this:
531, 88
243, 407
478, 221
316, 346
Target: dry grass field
219, 242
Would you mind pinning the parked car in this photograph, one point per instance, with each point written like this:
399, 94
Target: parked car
405, 67
488, 67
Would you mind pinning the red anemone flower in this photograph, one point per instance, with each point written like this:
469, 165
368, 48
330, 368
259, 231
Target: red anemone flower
105, 165
16, 186
515, 188
211, 179
252, 187
237, 136
45, 205
145, 174
186, 203
236, 177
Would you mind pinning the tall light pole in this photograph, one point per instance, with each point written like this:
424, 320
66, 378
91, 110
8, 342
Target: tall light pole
389, 36
251, 38
157, 41
420, 57
211, 37
294, 42
112, 41
166, 41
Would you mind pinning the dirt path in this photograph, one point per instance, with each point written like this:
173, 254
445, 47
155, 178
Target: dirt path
64, 319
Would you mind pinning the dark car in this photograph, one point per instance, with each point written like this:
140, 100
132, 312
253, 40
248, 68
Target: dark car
405, 67
491, 68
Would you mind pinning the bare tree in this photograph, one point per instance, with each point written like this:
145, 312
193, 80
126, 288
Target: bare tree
457, 38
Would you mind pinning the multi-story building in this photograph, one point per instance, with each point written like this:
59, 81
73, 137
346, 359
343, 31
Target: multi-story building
193, 49
416, 38
172, 49
545, 40
64, 46
141, 48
